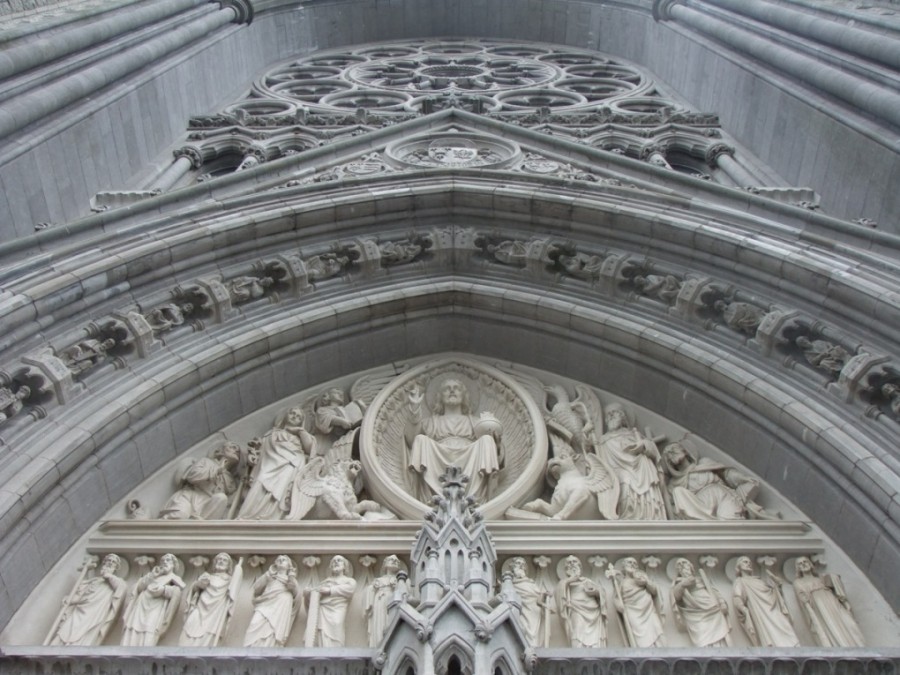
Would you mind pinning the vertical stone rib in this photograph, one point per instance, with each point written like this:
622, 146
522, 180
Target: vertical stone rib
869, 45
42, 50
867, 96
31, 107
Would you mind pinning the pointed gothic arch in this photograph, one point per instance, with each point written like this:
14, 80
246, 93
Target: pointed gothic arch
821, 434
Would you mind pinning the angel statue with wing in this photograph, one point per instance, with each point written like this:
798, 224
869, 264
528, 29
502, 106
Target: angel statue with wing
328, 490
453, 437
334, 418
283, 451
577, 480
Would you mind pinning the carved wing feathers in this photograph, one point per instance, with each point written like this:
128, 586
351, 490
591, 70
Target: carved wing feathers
308, 484
533, 386
366, 388
342, 448
392, 451
516, 443
602, 482
309, 413
587, 398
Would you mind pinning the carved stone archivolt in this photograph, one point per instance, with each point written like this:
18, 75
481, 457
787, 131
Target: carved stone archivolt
52, 374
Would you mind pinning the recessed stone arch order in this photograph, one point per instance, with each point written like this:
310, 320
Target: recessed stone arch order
777, 423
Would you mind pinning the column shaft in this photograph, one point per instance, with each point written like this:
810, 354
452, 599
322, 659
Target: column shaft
172, 174
735, 171
866, 96
31, 107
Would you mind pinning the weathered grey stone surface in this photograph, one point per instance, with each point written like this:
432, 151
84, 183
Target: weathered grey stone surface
848, 159
84, 440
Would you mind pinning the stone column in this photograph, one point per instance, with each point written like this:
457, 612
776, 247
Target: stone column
843, 36
186, 158
28, 108
655, 155
41, 50
868, 96
721, 156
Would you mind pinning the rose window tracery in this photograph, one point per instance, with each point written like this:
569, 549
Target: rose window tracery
505, 77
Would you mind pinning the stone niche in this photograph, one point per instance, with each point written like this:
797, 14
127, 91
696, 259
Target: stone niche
327, 472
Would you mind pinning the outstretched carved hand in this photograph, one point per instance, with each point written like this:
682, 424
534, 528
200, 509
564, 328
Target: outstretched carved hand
415, 396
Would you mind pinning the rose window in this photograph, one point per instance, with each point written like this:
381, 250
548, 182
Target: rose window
489, 75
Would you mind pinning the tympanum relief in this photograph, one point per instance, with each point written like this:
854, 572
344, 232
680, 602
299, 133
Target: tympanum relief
541, 447
375, 450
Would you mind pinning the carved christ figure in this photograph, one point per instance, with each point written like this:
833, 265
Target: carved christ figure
453, 437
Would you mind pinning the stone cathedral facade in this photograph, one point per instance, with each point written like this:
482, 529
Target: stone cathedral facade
425, 338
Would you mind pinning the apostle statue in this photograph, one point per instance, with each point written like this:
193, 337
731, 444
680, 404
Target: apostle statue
282, 453
453, 437
204, 486
639, 603
699, 607
707, 490
760, 607
210, 604
633, 459
276, 599
90, 609
153, 603
379, 594
328, 603
533, 618
582, 607
826, 607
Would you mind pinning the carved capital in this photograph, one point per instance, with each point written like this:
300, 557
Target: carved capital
714, 151
192, 154
662, 9
652, 149
243, 9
